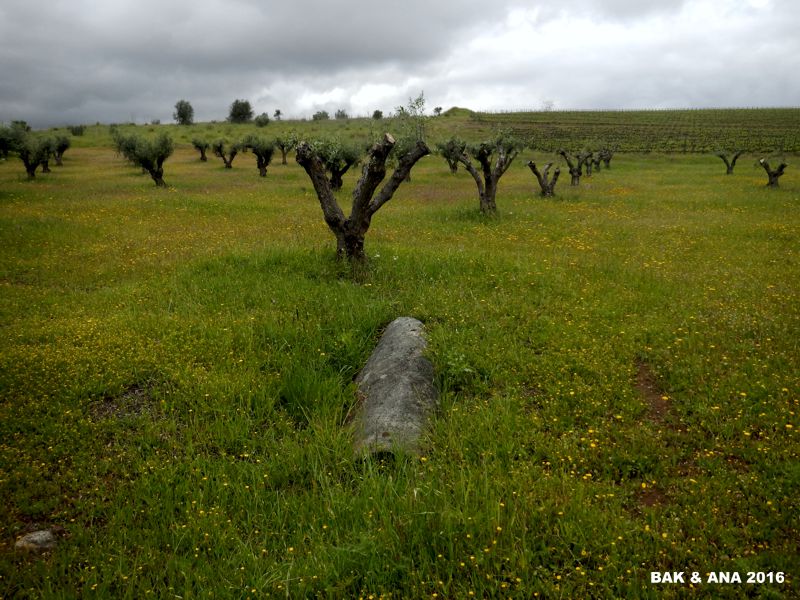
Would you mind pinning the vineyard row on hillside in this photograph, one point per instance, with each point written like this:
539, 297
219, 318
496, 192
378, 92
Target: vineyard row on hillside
712, 130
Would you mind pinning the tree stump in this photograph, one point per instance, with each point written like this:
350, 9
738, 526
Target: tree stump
397, 392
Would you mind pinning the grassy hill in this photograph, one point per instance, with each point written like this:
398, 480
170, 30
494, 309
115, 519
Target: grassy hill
764, 131
619, 371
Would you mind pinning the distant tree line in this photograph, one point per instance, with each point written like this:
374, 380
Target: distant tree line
241, 111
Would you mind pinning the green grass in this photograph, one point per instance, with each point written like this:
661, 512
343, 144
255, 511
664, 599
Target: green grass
176, 377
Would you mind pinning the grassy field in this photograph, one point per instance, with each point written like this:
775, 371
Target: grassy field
619, 367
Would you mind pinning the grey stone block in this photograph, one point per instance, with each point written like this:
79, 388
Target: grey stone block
397, 391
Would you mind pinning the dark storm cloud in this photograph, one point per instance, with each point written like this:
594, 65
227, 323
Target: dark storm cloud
86, 61
117, 53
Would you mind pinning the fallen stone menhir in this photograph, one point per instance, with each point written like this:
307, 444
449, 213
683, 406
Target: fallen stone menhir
397, 390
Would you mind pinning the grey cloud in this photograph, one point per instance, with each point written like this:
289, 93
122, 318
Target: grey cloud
116, 51
625, 10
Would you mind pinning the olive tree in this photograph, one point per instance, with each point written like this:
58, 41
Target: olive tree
575, 167
202, 147
32, 151
62, 144
606, 154
285, 143
149, 154
337, 157
773, 174
184, 113
350, 231
6, 141
729, 163
504, 148
585, 158
262, 149
546, 184
49, 149
226, 152
451, 150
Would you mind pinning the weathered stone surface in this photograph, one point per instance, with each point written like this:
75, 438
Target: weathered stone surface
397, 391
37, 541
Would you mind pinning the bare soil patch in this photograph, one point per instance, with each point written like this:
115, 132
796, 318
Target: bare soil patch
134, 401
646, 384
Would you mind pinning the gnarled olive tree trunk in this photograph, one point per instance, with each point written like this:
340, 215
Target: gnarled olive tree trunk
285, 145
585, 158
575, 170
30, 168
337, 175
228, 160
157, 175
487, 192
606, 154
547, 185
487, 185
226, 154
351, 231
730, 164
773, 174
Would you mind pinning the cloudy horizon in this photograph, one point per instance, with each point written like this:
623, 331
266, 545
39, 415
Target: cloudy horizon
86, 62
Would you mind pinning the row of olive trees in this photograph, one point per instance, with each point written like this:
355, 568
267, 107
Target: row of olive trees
327, 160
34, 150
338, 156
495, 156
261, 147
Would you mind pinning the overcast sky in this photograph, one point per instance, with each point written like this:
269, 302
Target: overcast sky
118, 60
